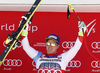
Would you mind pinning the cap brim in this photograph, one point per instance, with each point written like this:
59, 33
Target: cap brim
52, 39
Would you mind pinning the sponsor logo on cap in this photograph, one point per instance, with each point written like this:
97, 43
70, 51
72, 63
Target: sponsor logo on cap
52, 37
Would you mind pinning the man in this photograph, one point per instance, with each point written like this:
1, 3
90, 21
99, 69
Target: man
51, 62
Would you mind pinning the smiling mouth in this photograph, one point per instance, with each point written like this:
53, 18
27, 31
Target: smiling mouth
49, 49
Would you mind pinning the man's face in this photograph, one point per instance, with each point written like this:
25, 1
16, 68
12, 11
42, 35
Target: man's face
51, 46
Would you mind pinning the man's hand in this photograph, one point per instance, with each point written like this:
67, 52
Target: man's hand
82, 28
25, 31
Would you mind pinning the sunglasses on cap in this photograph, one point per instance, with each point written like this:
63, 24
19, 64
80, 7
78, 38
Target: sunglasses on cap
52, 44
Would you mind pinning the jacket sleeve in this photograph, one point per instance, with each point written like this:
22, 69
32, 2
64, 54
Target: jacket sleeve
28, 49
69, 55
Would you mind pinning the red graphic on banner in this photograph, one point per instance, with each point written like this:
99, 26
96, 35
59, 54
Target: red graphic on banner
43, 24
